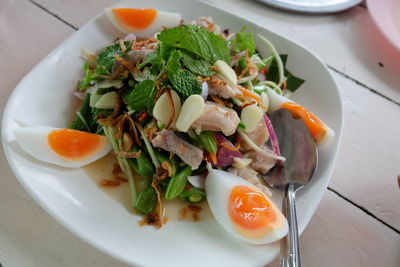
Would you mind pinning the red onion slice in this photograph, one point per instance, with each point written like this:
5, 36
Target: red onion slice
272, 135
225, 156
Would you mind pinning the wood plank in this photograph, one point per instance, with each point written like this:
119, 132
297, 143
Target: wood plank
341, 235
347, 41
368, 162
25, 38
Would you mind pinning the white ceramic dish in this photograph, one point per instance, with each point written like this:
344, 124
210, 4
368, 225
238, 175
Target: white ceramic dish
386, 15
313, 6
71, 196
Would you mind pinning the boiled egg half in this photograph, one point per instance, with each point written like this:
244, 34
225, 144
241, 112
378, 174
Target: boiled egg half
142, 22
243, 210
63, 147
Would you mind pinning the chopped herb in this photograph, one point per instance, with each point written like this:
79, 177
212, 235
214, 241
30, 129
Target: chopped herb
89, 78
196, 40
197, 65
183, 81
244, 40
142, 96
106, 58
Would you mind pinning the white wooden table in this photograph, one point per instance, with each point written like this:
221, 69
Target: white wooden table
358, 220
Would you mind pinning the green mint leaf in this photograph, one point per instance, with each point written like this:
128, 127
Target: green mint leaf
142, 96
90, 78
156, 60
292, 82
197, 65
197, 40
173, 65
242, 41
106, 58
184, 82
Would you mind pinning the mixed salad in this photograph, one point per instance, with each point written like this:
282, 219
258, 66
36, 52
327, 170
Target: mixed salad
178, 103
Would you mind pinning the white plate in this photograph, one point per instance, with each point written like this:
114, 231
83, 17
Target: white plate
71, 196
313, 6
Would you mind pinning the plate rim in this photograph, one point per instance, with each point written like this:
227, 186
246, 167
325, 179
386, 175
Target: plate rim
317, 9
70, 227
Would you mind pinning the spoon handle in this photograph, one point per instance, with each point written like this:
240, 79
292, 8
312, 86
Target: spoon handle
291, 241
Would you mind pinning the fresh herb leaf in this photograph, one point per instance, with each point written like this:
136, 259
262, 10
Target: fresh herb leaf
292, 82
173, 65
197, 40
89, 79
106, 58
197, 65
85, 111
244, 40
183, 81
142, 96
155, 60
242, 63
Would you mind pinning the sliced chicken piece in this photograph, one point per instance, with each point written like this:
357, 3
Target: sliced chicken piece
261, 162
219, 87
167, 140
217, 118
251, 176
259, 135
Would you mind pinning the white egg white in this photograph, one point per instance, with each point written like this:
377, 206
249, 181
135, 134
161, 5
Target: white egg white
34, 141
162, 19
218, 188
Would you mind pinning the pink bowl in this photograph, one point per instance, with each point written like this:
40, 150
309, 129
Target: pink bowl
386, 15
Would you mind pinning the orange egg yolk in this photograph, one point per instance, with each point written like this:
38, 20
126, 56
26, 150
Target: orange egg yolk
250, 209
73, 144
316, 127
135, 18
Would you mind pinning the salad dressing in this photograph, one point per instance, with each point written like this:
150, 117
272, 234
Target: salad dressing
103, 169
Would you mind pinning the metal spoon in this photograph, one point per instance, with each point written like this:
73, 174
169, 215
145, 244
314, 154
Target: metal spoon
298, 147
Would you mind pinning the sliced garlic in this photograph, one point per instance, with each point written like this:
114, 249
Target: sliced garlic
191, 110
265, 100
226, 73
162, 111
94, 98
251, 116
241, 162
107, 101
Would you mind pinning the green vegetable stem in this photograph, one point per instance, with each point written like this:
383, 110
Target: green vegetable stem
177, 183
146, 201
193, 194
208, 141
142, 165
